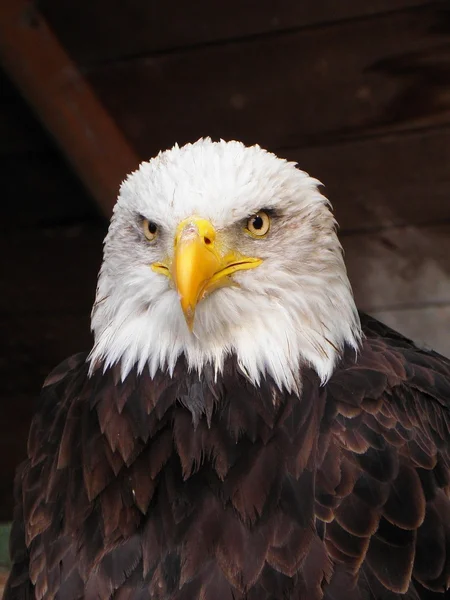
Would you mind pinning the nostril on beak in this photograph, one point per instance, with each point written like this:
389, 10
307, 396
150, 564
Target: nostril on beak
207, 240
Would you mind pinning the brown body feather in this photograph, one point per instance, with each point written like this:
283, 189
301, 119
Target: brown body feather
184, 488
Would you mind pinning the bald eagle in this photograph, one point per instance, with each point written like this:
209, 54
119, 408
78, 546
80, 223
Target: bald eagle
238, 431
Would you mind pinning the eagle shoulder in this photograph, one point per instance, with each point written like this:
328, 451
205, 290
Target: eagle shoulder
382, 486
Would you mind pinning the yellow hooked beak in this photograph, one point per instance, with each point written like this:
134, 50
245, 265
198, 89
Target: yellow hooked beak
201, 263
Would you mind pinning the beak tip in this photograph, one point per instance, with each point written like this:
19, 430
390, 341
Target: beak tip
189, 314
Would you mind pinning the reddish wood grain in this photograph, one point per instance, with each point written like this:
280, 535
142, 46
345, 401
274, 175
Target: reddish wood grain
39, 66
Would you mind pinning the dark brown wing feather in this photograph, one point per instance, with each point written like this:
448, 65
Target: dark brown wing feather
390, 422
184, 488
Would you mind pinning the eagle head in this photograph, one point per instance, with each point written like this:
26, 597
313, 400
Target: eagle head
216, 250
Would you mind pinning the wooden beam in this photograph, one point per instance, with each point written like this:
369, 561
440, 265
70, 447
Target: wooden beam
311, 87
137, 27
51, 83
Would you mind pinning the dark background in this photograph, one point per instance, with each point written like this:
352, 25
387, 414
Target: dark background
358, 92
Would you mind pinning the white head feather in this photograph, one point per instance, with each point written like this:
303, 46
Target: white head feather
295, 308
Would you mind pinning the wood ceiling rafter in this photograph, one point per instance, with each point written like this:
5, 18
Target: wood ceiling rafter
50, 81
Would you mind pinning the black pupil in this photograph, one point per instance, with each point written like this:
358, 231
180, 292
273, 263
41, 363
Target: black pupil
258, 222
152, 227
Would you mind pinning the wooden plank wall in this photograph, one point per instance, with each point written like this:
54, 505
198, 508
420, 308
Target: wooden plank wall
357, 92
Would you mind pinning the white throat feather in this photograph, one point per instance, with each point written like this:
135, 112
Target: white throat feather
296, 308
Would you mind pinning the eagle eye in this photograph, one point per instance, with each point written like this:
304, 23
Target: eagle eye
150, 229
258, 224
